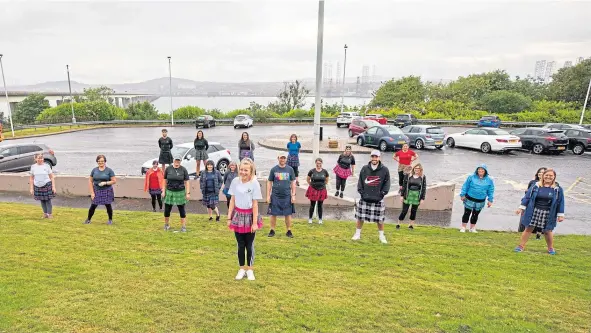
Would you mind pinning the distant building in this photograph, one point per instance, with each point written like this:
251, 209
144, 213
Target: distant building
568, 63
540, 69
365, 74
579, 60
550, 67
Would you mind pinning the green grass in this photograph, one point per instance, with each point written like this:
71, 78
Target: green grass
60, 275
43, 130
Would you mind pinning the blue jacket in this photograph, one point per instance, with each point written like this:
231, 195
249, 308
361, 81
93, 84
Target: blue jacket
478, 188
217, 181
556, 208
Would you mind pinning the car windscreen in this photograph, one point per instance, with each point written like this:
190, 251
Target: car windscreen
393, 130
488, 118
435, 130
371, 123
240, 117
402, 117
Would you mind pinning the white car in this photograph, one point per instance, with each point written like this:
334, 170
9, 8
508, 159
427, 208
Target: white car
345, 118
217, 153
485, 139
243, 120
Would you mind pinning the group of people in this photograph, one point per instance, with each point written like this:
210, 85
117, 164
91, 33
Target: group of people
168, 185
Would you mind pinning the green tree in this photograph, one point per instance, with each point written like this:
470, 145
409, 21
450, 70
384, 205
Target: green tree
293, 96
471, 89
216, 113
399, 93
503, 101
570, 84
27, 111
88, 111
141, 111
533, 88
101, 93
188, 112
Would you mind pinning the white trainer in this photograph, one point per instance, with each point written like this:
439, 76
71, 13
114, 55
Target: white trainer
383, 239
309, 221
474, 230
250, 274
241, 274
319, 221
356, 237
462, 229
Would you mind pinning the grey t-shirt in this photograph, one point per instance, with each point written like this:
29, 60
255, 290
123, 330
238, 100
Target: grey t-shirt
245, 193
99, 176
281, 178
40, 174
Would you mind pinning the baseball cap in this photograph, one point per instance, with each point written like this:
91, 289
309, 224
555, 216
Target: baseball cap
178, 157
281, 154
376, 153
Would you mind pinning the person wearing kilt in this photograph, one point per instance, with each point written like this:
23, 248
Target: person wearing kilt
542, 206
293, 156
245, 147
176, 192
201, 146
414, 189
373, 185
100, 183
210, 183
154, 183
229, 176
243, 216
42, 185
477, 188
316, 193
165, 144
344, 169
281, 191
537, 177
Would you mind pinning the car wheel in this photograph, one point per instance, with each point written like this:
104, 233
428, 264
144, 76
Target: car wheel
537, 149
451, 142
223, 166
383, 146
235, 127
485, 147
360, 141
439, 147
578, 149
338, 125
351, 134
205, 126
419, 144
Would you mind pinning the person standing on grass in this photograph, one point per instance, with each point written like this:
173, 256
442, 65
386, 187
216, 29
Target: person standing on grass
281, 191
243, 216
293, 157
201, 146
414, 189
245, 147
153, 184
373, 185
42, 185
531, 183
542, 207
165, 144
404, 157
228, 178
100, 183
344, 169
477, 188
210, 182
176, 192
317, 180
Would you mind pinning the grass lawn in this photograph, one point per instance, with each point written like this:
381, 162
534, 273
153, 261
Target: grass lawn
43, 130
60, 275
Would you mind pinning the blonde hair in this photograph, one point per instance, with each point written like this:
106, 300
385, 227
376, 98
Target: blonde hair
420, 166
541, 182
250, 163
407, 170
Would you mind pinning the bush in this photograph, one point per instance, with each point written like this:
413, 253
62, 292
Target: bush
86, 111
503, 101
188, 112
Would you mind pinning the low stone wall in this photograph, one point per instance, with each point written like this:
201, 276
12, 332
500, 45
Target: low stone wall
439, 197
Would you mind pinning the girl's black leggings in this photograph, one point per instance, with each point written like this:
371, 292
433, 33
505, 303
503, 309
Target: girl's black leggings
311, 212
245, 243
467, 217
400, 178
341, 182
156, 197
168, 209
228, 199
413, 212
93, 208
296, 171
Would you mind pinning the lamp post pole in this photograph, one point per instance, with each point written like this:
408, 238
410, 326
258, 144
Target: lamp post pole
71, 97
170, 85
6, 94
344, 76
318, 97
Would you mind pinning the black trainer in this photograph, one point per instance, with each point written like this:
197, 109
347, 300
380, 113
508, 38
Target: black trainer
271, 233
217, 218
341, 195
411, 227
289, 234
211, 218
336, 194
397, 226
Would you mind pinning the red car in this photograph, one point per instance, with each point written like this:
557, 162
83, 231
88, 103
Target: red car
377, 117
359, 126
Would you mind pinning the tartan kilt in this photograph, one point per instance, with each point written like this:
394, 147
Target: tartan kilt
175, 198
280, 206
165, 157
44, 192
316, 195
293, 160
211, 200
201, 155
103, 196
413, 198
370, 211
246, 153
539, 218
341, 172
242, 220
155, 191
472, 205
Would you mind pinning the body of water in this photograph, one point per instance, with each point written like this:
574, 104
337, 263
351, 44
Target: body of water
227, 104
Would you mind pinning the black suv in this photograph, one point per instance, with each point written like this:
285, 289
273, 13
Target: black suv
403, 120
562, 127
205, 121
540, 140
579, 141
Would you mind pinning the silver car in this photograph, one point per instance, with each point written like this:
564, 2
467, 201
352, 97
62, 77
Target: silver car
421, 136
20, 157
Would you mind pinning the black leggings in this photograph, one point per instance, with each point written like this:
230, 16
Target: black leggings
311, 212
467, 213
400, 178
228, 199
93, 208
341, 182
168, 209
413, 212
154, 197
296, 171
245, 242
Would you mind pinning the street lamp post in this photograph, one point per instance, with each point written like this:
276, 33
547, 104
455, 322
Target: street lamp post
585, 104
318, 97
344, 76
170, 88
6, 94
71, 97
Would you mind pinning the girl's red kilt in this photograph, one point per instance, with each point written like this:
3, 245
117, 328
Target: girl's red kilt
316, 195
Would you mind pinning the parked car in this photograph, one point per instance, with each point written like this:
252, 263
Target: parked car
384, 137
20, 157
377, 117
217, 153
579, 141
485, 139
422, 136
562, 127
540, 140
403, 120
345, 118
490, 121
205, 121
243, 120
587, 126
359, 126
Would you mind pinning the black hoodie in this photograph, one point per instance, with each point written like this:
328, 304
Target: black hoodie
373, 185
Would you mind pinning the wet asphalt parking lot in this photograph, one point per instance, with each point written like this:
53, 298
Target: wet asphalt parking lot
128, 148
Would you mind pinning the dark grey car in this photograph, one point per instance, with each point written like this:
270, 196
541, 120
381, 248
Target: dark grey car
20, 157
421, 136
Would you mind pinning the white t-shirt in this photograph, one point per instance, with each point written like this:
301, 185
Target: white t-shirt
40, 174
245, 193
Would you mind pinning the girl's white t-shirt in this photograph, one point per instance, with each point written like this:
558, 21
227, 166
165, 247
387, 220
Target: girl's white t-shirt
245, 193
40, 174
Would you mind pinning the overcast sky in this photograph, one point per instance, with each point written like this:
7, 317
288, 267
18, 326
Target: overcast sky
116, 42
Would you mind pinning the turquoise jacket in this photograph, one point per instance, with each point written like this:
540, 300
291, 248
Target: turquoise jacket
479, 188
